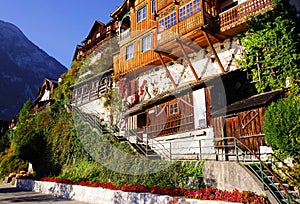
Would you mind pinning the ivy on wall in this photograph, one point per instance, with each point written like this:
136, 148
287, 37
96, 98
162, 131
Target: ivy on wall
271, 55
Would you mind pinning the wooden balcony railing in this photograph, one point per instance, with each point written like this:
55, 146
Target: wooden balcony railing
167, 35
190, 24
184, 27
239, 13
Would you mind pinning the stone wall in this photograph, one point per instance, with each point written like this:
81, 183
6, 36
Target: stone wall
101, 195
204, 63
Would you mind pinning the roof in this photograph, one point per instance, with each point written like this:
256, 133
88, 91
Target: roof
258, 100
119, 9
95, 26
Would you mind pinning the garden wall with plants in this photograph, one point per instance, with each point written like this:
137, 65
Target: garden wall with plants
109, 193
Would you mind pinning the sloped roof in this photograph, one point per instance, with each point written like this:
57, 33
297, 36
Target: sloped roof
120, 9
96, 25
251, 102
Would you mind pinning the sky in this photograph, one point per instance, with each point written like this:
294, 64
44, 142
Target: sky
57, 26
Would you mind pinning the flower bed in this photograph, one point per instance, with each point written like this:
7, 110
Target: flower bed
202, 194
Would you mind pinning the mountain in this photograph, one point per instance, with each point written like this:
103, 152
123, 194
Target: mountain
23, 66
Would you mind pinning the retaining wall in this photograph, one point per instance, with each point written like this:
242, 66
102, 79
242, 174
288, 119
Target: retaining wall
101, 195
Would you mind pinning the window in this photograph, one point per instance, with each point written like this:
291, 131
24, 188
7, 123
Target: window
189, 9
153, 6
147, 43
141, 14
129, 52
173, 108
196, 6
167, 22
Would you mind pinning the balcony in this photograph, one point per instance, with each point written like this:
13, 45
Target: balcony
237, 15
189, 28
124, 35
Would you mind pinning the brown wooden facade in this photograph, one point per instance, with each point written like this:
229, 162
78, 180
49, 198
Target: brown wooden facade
200, 22
172, 117
98, 34
244, 121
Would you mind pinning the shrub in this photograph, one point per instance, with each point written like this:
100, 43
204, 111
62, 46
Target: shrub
282, 126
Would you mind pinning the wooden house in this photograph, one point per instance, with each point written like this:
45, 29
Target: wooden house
45, 94
169, 46
98, 34
95, 76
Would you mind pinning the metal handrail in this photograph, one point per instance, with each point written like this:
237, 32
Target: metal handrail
156, 144
89, 119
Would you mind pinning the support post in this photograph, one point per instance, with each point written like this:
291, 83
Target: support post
200, 151
187, 58
214, 51
167, 71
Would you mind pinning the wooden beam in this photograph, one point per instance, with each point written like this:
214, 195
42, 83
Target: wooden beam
168, 55
187, 58
167, 71
214, 51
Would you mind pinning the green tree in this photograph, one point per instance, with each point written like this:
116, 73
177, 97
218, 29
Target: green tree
272, 49
282, 126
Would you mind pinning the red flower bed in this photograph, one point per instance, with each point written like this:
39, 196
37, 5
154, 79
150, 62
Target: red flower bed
202, 194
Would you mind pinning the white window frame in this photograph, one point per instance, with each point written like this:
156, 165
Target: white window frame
141, 14
147, 41
129, 51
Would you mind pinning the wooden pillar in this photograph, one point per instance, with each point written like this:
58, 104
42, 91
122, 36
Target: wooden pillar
187, 58
167, 71
214, 51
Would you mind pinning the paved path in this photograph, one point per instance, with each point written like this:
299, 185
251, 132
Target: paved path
10, 194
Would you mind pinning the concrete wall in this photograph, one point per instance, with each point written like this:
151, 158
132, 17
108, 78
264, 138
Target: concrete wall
101, 195
185, 145
229, 176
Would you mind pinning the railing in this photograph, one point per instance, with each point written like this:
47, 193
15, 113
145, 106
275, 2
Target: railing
190, 24
92, 121
238, 14
167, 35
125, 35
283, 170
207, 149
264, 174
212, 149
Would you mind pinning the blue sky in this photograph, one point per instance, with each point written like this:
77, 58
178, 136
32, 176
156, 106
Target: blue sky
57, 26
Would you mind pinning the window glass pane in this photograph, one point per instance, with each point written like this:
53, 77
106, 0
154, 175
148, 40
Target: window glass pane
129, 52
153, 6
146, 43
196, 6
173, 19
182, 13
141, 14
189, 9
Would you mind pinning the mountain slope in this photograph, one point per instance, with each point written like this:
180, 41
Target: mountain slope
23, 66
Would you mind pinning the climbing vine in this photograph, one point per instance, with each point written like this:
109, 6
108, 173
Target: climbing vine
271, 55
